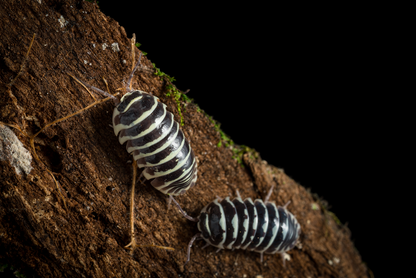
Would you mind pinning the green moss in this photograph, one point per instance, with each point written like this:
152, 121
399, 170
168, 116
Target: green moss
315, 206
224, 138
226, 141
173, 91
240, 150
4, 268
139, 44
333, 216
163, 75
180, 98
186, 98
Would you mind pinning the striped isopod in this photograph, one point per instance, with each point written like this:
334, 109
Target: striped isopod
261, 226
155, 140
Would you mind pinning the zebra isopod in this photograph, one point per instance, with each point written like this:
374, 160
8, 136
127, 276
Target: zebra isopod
156, 142
256, 226
154, 139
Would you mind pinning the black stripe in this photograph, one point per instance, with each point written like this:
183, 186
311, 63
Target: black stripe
217, 233
178, 158
229, 213
135, 110
160, 181
175, 188
202, 225
251, 217
179, 187
162, 130
279, 237
173, 146
126, 100
145, 124
292, 236
261, 232
273, 222
242, 218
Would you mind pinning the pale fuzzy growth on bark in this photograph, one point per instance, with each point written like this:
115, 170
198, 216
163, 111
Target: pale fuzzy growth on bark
12, 150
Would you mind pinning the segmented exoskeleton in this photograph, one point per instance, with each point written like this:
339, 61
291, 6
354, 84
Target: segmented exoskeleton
154, 139
260, 226
156, 142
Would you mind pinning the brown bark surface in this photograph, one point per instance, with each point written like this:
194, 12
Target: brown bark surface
86, 239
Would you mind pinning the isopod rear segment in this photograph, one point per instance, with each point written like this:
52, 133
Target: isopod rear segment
258, 226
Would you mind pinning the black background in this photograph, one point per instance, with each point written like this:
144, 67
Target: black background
295, 84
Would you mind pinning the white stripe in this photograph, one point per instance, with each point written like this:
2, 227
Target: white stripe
221, 224
245, 222
172, 181
284, 228
168, 114
276, 227
131, 102
115, 113
254, 224
149, 129
120, 126
266, 221
169, 157
234, 224
204, 210
159, 174
204, 224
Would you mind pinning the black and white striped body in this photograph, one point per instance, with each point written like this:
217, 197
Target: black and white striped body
260, 226
156, 142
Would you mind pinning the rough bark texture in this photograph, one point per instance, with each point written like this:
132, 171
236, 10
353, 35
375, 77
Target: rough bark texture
39, 235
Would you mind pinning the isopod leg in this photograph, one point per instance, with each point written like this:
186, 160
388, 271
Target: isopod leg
132, 243
139, 179
285, 206
134, 66
132, 72
104, 93
189, 248
169, 202
205, 246
285, 257
133, 239
266, 200
182, 211
238, 194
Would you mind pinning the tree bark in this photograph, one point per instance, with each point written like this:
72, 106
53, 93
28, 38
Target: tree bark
85, 238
